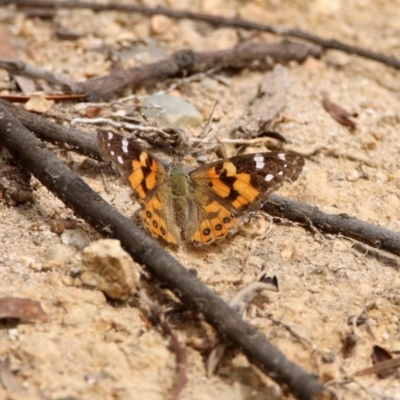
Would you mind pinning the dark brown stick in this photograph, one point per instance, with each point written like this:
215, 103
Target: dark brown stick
365, 232
74, 192
186, 61
50, 131
17, 67
222, 21
260, 55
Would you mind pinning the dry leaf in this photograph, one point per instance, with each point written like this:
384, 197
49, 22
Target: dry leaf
338, 113
384, 364
26, 309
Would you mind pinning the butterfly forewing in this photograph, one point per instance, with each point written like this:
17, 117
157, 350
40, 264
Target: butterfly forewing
243, 182
143, 171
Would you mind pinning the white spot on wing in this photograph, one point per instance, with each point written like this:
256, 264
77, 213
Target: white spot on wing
109, 135
285, 166
260, 164
282, 156
120, 160
125, 144
112, 153
269, 177
280, 173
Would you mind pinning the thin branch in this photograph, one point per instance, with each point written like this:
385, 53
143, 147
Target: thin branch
180, 63
343, 224
77, 195
17, 67
183, 62
50, 131
222, 21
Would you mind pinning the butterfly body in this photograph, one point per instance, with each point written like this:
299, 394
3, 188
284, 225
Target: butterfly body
202, 205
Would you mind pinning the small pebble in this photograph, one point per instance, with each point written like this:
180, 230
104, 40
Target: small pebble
75, 237
56, 256
174, 111
109, 268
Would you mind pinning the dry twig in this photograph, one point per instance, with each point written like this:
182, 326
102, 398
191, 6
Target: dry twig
181, 63
343, 224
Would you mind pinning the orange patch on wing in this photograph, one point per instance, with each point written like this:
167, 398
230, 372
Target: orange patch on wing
219, 229
136, 179
240, 202
151, 181
229, 220
213, 207
204, 234
216, 227
218, 186
243, 187
230, 168
243, 177
154, 223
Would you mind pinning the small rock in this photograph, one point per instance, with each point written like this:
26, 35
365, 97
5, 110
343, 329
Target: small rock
75, 237
109, 268
38, 104
287, 252
353, 175
171, 111
30, 262
314, 289
160, 24
56, 256
328, 372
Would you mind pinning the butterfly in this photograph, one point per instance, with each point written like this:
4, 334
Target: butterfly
202, 205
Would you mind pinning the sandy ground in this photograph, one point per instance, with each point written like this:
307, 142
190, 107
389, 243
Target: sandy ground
93, 348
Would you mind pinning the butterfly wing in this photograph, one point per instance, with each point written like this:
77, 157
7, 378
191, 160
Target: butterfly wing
232, 186
147, 177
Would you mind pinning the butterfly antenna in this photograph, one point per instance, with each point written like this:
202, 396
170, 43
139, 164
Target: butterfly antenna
163, 145
207, 129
